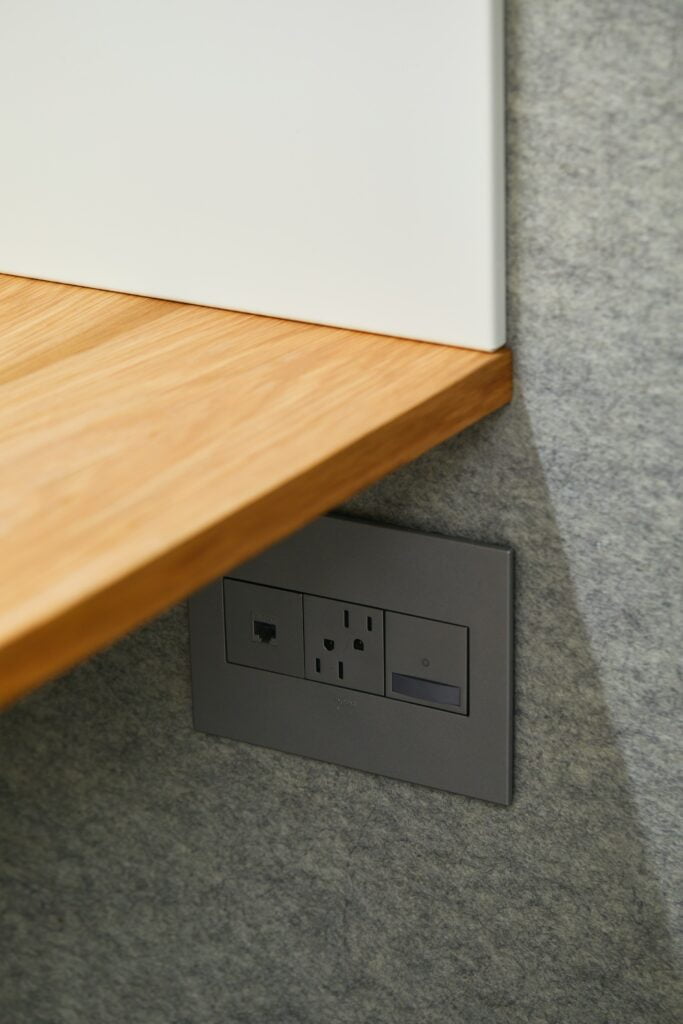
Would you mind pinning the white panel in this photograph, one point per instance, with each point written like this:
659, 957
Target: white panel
338, 161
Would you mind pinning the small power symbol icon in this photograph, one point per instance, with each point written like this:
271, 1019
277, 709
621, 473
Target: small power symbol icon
426, 662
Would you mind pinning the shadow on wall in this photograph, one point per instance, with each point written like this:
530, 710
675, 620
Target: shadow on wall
562, 887
155, 874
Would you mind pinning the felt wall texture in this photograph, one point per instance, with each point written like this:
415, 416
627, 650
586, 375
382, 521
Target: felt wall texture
153, 874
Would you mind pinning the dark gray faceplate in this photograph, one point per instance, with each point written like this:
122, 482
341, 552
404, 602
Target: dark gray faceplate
399, 571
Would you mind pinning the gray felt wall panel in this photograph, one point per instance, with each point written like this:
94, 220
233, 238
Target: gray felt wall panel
153, 874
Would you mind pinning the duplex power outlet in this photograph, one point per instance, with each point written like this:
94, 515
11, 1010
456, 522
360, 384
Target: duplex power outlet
373, 647
344, 644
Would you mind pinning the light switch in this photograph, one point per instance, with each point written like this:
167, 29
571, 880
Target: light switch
426, 662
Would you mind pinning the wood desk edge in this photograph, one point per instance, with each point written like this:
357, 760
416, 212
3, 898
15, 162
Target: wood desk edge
93, 620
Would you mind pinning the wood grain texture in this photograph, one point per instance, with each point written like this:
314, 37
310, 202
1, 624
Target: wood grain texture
146, 446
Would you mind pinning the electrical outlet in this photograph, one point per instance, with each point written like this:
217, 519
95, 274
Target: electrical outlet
377, 648
344, 644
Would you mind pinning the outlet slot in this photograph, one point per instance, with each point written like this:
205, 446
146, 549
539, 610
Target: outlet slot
264, 632
340, 649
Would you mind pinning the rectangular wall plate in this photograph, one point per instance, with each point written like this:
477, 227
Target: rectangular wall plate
323, 160
428, 698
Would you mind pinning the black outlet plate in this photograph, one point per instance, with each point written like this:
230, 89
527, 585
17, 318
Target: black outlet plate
403, 571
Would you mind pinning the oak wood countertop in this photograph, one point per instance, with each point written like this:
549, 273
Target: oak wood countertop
147, 446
